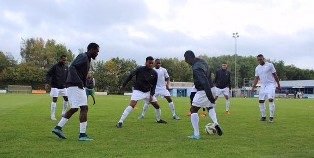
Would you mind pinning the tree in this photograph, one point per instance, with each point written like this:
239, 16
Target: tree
6, 60
43, 54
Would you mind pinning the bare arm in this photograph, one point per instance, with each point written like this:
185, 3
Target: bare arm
255, 83
277, 80
168, 83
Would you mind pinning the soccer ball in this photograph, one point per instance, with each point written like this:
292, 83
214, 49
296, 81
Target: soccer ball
210, 129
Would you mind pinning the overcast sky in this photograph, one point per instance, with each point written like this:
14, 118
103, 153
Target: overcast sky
135, 29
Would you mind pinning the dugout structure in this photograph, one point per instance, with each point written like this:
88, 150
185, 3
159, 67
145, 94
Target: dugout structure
20, 89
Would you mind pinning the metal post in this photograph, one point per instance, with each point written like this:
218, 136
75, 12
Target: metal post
235, 36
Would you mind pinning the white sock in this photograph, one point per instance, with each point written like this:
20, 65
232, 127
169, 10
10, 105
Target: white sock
262, 107
194, 121
145, 108
158, 114
212, 115
53, 109
272, 109
171, 105
227, 105
62, 122
83, 126
65, 107
126, 113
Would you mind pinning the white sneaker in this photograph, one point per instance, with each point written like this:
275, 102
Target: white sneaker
53, 118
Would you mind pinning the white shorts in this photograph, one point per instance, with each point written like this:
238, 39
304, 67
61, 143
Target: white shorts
162, 92
55, 92
224, 91
77, 97
139, 95
267, 92
200, 99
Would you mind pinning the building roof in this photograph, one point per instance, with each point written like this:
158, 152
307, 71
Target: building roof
297, 83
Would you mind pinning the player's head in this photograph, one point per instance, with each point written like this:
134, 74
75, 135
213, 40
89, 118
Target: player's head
157, 63
63, 59
260, 59
93, 50
189, 57
149, 62
224, 66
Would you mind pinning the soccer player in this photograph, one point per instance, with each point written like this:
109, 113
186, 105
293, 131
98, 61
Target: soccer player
144, 89
266, 73
76, 82
90, 84
162, 88
204, 95
223, 85
56, 77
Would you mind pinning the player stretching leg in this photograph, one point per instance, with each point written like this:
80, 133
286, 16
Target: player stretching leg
144, 89
203, 97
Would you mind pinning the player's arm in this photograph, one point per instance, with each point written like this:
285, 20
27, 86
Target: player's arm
48, 76
168, 83
254, 84
201, 77
229, 81
122, 87
152, 89
78, 64
277, 80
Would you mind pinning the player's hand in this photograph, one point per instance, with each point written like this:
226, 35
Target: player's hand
122, 88
279, 88
46, 86
150, 98
252, 90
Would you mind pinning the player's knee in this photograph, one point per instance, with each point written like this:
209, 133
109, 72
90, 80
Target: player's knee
73, 110
261, 101
270, 100
54, 99
65, 98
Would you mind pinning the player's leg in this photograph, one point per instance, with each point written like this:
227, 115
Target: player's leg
195, 122
172, 108
226, 95
65, 104
54, 94
227, 104
271, 96
191, 99
93, 96
126, 112
63, 92
158, 111
74, 99
262, 106
83, 123
213, 116
145, 108
53, 108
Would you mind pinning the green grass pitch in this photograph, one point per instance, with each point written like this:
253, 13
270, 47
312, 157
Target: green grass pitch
25, 130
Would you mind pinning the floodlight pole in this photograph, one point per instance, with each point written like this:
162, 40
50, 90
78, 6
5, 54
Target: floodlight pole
235, 36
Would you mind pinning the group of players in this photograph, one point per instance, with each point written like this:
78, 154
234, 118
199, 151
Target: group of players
152, 81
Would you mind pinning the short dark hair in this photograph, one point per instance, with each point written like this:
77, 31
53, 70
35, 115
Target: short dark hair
189, 54
157, 59
92, 46
149, 58
63, 56
260, 56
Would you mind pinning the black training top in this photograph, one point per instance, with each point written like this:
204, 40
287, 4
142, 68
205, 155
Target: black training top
57, 75
202, 78
222, 79
146, 79
78, 71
